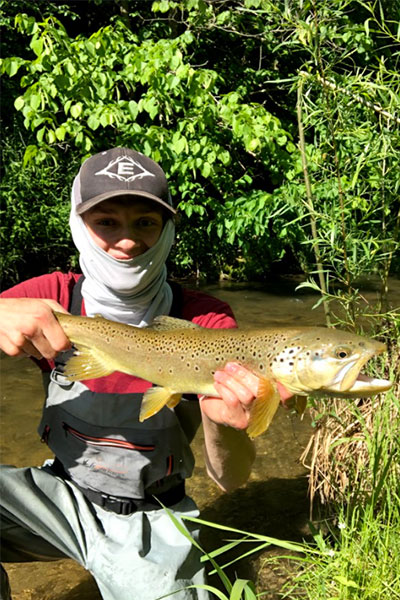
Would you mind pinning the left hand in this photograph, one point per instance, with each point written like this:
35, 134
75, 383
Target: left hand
237, 387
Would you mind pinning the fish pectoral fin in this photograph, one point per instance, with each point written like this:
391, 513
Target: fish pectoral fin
166, 323
264, 408
300, 404
154, 399
86, 364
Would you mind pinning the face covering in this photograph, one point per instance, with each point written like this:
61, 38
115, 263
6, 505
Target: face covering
132, 291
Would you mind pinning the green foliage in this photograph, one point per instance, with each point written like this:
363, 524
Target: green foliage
36, 239
208, 89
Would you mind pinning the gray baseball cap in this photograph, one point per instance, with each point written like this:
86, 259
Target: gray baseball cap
120, 172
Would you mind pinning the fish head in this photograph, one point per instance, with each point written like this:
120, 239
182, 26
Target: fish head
324, 361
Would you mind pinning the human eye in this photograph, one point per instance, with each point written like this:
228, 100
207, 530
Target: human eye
148, 222
105, 222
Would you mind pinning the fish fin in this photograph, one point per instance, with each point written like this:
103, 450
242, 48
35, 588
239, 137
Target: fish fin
300, 404
174, 401
154, 399
85, 364
164, 323
264, 408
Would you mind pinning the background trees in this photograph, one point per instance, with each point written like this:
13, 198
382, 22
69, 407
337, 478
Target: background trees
216, 92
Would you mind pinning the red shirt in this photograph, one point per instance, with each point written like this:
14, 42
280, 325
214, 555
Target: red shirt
198, 307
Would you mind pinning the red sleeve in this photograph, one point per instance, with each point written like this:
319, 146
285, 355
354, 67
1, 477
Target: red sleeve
207, 311
55, 286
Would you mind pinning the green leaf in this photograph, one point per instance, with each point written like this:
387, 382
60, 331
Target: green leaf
11, 65
29, 154
346, 582
206, 169
133, 109
19, 103
93, 122
35, 101
76, 110
60, 133
37, 45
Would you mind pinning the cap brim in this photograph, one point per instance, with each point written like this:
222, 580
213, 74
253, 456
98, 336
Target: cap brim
81, 208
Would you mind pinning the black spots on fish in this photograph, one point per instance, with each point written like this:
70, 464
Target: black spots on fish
196, 368
171, 371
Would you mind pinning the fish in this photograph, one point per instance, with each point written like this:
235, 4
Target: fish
180, 357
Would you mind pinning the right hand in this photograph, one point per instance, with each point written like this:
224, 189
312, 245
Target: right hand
28, 327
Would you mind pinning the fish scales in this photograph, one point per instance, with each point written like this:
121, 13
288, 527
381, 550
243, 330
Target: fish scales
181, 357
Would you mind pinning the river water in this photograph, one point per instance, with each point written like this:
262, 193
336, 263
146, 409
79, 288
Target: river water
274, 501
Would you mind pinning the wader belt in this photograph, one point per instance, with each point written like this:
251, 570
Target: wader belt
125, 506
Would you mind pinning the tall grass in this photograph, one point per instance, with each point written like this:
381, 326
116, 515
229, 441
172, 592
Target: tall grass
355, 549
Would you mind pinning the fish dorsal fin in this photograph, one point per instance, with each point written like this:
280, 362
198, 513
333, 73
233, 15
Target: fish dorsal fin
264, 408
84, 364
164, 323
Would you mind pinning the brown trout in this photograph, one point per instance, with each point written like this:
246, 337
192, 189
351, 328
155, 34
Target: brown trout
181, 358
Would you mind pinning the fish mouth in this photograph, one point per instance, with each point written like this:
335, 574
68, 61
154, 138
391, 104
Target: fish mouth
368, 386
351, 382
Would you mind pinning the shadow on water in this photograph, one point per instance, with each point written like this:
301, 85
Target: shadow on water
276, 508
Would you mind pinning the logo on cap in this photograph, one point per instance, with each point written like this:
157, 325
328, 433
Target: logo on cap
125, 169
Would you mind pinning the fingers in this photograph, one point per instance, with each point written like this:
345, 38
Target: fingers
237, 388
240, 384
28, 326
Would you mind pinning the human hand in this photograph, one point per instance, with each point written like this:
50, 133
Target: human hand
237, 387
28, 327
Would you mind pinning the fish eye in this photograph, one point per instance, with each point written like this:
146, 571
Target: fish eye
342, 352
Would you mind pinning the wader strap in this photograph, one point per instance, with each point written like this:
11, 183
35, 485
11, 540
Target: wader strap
177, 300
75, 306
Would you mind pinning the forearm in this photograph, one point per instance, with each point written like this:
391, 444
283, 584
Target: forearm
229, 454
